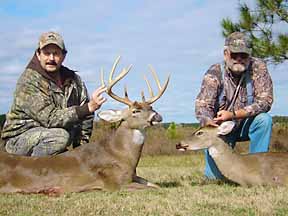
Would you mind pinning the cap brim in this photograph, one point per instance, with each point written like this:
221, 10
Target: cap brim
240, 50
50, 42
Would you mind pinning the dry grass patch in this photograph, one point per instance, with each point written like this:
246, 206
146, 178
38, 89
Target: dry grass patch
180, 175
182, 192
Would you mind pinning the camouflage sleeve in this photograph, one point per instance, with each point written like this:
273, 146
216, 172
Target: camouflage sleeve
206, 99
86, 129
33, 98
87, 123
263, 90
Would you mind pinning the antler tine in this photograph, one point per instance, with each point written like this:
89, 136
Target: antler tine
155, 76
125, 91
143, 97
113, 82
149, 86
102, 76
152, 100
113, 68
161, 88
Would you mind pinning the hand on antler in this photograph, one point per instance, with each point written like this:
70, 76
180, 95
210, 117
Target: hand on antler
97, 99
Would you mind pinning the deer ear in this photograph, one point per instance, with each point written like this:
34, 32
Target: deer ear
110, 115
226, 127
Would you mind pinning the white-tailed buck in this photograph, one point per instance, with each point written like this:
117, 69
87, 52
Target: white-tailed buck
106, 165
268, 168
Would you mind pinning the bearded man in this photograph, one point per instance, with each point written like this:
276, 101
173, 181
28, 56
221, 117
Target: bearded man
239, 90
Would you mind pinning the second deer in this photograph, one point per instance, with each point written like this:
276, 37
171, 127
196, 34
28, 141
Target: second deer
268, 168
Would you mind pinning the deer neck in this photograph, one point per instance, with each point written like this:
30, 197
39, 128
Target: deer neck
137, 136
225, 158
219, 149
129, 143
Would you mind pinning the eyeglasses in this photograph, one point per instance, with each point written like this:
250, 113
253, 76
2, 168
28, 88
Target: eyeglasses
243, 56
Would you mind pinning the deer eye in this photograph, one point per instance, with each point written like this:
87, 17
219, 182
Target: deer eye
135, 111
199, 133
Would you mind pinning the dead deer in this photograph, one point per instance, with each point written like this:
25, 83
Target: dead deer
268, 168
105, 166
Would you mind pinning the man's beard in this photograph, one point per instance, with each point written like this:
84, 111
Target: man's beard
236, 68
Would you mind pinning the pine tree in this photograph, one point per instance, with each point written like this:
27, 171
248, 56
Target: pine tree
262, 26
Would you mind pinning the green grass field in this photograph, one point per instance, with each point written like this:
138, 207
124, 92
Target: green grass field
182, 192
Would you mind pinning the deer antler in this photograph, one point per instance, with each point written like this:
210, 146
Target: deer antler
112, 82
126, 100
160, 88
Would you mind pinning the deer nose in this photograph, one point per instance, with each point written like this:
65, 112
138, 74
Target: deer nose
180, 147
156, 118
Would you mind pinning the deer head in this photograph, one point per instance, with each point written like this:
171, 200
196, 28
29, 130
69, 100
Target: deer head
205, 137
138, 115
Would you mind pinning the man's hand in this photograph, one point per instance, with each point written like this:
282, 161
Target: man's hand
97, 99
211, 123
222, 116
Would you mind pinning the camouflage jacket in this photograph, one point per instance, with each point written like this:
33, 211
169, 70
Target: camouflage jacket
39, 101
209, 102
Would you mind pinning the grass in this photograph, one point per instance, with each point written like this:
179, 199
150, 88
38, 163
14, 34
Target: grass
180, 176
182, 192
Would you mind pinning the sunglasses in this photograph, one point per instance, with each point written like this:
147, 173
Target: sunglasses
239, 55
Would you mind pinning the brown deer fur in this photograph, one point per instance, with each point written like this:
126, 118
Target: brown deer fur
107, 165
245, 169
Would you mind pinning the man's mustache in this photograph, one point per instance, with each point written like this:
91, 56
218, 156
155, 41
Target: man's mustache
238, 63
51, 63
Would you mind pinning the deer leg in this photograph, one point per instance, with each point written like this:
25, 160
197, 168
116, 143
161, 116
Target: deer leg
135, 186
49, 191
140, 180
53, 191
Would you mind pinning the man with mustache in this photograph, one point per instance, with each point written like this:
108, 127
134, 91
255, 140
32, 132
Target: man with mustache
238, 90
51, 109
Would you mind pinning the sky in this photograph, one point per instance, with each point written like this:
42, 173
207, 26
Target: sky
178, 38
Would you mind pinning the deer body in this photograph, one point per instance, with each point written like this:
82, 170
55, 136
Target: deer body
268, 168
91, 166
108, 164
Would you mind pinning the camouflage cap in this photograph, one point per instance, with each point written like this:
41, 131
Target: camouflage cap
51, 38
237, 42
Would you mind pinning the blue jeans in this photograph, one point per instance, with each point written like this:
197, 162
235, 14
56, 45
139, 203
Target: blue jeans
257, 129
